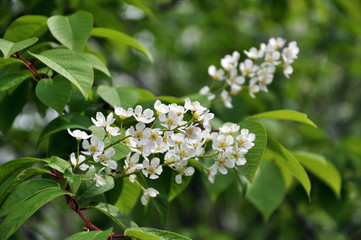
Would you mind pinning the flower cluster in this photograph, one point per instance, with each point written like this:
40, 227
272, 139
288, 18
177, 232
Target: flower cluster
170, 136
258, 69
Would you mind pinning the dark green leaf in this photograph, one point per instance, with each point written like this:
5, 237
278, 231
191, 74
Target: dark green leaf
88, 188
268, 188
25, 27
4, 62
54, 93
153, 234
24, 191
115, 214
120, 38
63, 122
175, 188
128, 196
72, 65
12, 80
321, 168
8, 47
72, 31
25, 209
285, 115
12, 166
255, 154
221, 183
286, 158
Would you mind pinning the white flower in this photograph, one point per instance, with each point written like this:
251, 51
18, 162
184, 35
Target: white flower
226, 99
153, 168
216, 74
179, 110
192, 132
253, 88
101, 121
223, 143
223, 161
235, 88
160, 107
239, 157
272, 57
145, 117
248, 68
229, 129
172, 120
151, 192
122, 113
206, 91
184, 151
277, 43
105, 160
95, 147
290, 52
112, 131
287, 70
245, 139
253, 53
131, 165
139, 132
79, 135
181, 168
99, 180
229, 62
74, 161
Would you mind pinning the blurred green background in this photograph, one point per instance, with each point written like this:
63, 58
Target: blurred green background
185, 37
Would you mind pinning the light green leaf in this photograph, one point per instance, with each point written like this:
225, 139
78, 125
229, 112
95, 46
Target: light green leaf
8, 47
25, 209
285, 115
96, 63
88, 188
72, 31
74, 180
255, 154
57, 163
268, 188
121, 151
64, 122
93, 235
128, 196
120, 38
4, 62
26, 27
12, 80
153, 234
23, 192
115, 214
10, 183
286, 158
170, 99
72, 65
54, 93
124, 97
12, 166
321, 168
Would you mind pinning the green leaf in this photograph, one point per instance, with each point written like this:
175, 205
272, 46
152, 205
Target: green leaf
170, 99
11, 105
25, 209
285, 115
72, 31
140, 4
268, 188
10, 183
74, 180
88, 188
54, 93
128, 196
321, 168
255, 154
64, 122
4, 62
120, 38
57, 163
153, 234
12, 80
23, 192
124, 97
221, 183
96, 63
72, 65
286, 158
12, 166
115, 214
8, 47
175, 189
121, 151
93, 235
26, 27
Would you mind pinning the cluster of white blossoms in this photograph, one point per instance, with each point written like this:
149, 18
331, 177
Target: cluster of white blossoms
257, 69
170, 136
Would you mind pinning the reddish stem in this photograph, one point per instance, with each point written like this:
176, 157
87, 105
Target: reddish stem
117, 236
29, 65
